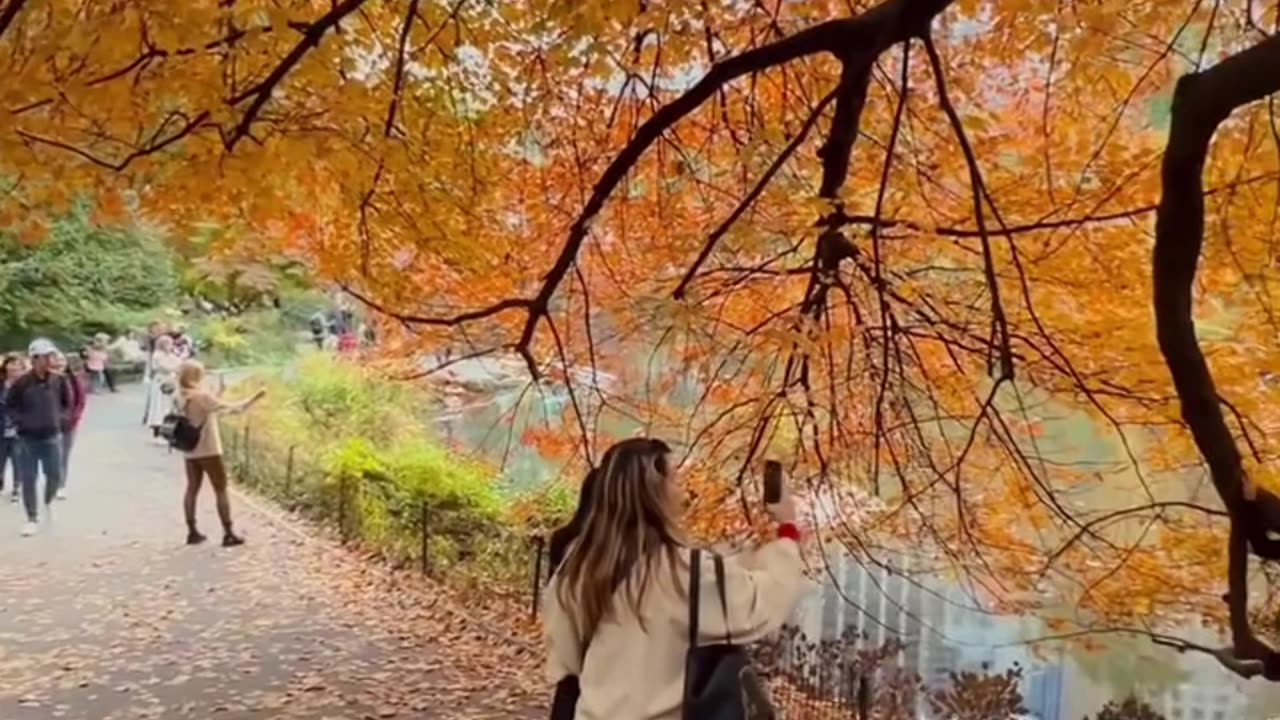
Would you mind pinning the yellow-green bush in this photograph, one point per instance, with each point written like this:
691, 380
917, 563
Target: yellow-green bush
257, 336
349, 447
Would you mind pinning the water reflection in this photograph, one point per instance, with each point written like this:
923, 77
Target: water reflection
941, 630
936, 623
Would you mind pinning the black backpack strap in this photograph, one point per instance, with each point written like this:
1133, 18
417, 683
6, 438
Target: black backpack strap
724, 600
695, 581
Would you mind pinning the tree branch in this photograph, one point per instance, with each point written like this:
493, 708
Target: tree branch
439, 321
398, 83
999, 324
9, 12
155, 145
833, 247
260, 93
1153, 507
750, 198
1040, 225
154, 53
866, 36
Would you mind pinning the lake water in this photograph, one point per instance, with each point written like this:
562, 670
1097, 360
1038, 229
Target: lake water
941, 627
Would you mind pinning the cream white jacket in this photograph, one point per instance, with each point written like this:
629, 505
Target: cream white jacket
630, 673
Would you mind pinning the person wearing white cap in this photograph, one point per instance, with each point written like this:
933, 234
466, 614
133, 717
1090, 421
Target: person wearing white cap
38, 402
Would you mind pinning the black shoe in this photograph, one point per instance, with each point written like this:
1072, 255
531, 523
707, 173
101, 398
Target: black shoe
231, 539
194, 537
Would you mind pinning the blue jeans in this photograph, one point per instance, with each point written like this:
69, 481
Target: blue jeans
34, 454
68, 440
9, 453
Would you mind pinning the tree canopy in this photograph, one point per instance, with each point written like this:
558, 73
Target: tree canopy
235, 274
907, 244
83, 279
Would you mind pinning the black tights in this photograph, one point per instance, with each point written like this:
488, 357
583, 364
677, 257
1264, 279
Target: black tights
197, 469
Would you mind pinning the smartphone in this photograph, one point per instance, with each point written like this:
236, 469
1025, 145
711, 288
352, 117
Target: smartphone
772, 482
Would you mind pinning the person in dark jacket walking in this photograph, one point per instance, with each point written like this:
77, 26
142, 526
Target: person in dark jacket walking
15, 365
317, 330
38, 402
70, 420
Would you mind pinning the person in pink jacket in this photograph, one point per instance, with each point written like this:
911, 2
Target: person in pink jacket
71, 422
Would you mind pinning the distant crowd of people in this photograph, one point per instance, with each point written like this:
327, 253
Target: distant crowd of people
338, 331
44, 399
45, 393
42, 402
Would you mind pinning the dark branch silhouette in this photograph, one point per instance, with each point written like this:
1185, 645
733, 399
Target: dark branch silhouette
1201, 102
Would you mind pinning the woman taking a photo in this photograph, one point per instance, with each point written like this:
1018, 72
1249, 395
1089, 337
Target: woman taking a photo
201, 408
617, 610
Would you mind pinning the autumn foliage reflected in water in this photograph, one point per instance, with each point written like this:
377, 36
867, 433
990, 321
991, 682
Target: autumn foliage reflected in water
907, 245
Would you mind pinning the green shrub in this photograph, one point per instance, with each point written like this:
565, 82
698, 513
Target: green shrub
342, 400
349, 447
258, 337
298, 304
431, 474
546, 509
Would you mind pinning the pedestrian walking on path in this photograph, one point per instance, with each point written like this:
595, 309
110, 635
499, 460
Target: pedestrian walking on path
161, 383
200, 406
39, 402
13, 368
96, 359
147, 346
71, 421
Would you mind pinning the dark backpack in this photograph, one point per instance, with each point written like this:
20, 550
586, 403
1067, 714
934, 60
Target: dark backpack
181, 433
564, 703
719, 681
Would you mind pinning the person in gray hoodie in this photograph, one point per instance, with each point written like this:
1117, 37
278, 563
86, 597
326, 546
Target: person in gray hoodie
38, 403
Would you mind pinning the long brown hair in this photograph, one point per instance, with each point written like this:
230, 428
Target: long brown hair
564, 537
630, 524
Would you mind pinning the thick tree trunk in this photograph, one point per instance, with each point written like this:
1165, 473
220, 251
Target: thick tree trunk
1202, 101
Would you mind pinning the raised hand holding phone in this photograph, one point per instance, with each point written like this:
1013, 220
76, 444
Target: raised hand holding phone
772, 481
777, 497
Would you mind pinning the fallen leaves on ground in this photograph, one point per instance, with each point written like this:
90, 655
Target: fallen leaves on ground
286, 627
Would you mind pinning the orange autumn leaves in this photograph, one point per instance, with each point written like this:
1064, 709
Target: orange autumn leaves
434, 155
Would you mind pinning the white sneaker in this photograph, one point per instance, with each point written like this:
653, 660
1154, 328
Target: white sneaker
13, 498
62, 493
29, 529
